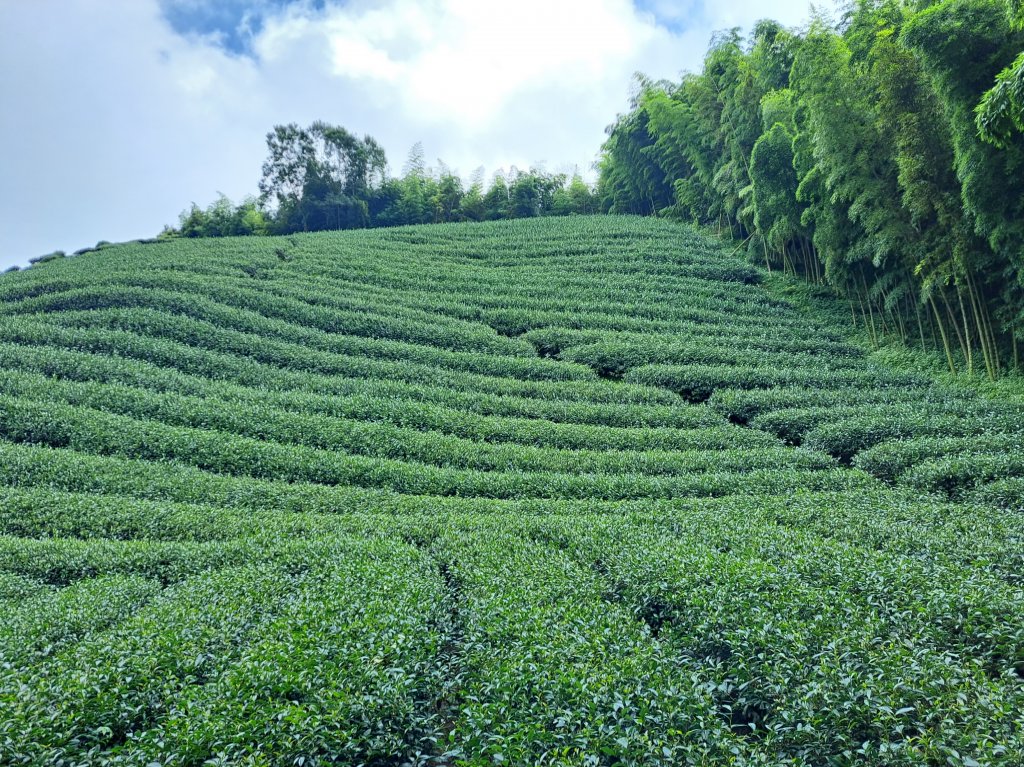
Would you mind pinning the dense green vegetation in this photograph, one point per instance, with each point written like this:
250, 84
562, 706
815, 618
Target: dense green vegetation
573, 491
883, 157
324, 178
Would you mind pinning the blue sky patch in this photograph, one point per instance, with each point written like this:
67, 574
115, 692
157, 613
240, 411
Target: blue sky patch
676, 15
232, 23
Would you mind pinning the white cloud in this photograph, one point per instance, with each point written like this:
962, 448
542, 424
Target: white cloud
112, 123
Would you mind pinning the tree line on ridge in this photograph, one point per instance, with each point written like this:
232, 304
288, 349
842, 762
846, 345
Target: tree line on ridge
323, 178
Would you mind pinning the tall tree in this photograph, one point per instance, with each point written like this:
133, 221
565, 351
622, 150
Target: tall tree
321, 176
632, 180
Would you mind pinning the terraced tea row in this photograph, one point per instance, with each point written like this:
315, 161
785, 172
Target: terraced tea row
717, 608
574, 491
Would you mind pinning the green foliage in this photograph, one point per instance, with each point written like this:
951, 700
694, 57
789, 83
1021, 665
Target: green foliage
1000, 113
223, 219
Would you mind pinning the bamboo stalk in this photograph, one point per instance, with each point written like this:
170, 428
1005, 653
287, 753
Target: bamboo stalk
967, 332
942, 333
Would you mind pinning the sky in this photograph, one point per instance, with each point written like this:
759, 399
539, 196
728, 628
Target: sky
118, 114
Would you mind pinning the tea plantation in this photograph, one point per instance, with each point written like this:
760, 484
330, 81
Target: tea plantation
559, 492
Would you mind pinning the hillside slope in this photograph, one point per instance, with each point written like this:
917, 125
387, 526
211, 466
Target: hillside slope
570, 491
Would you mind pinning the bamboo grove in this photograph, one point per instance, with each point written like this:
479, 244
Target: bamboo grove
881, 155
